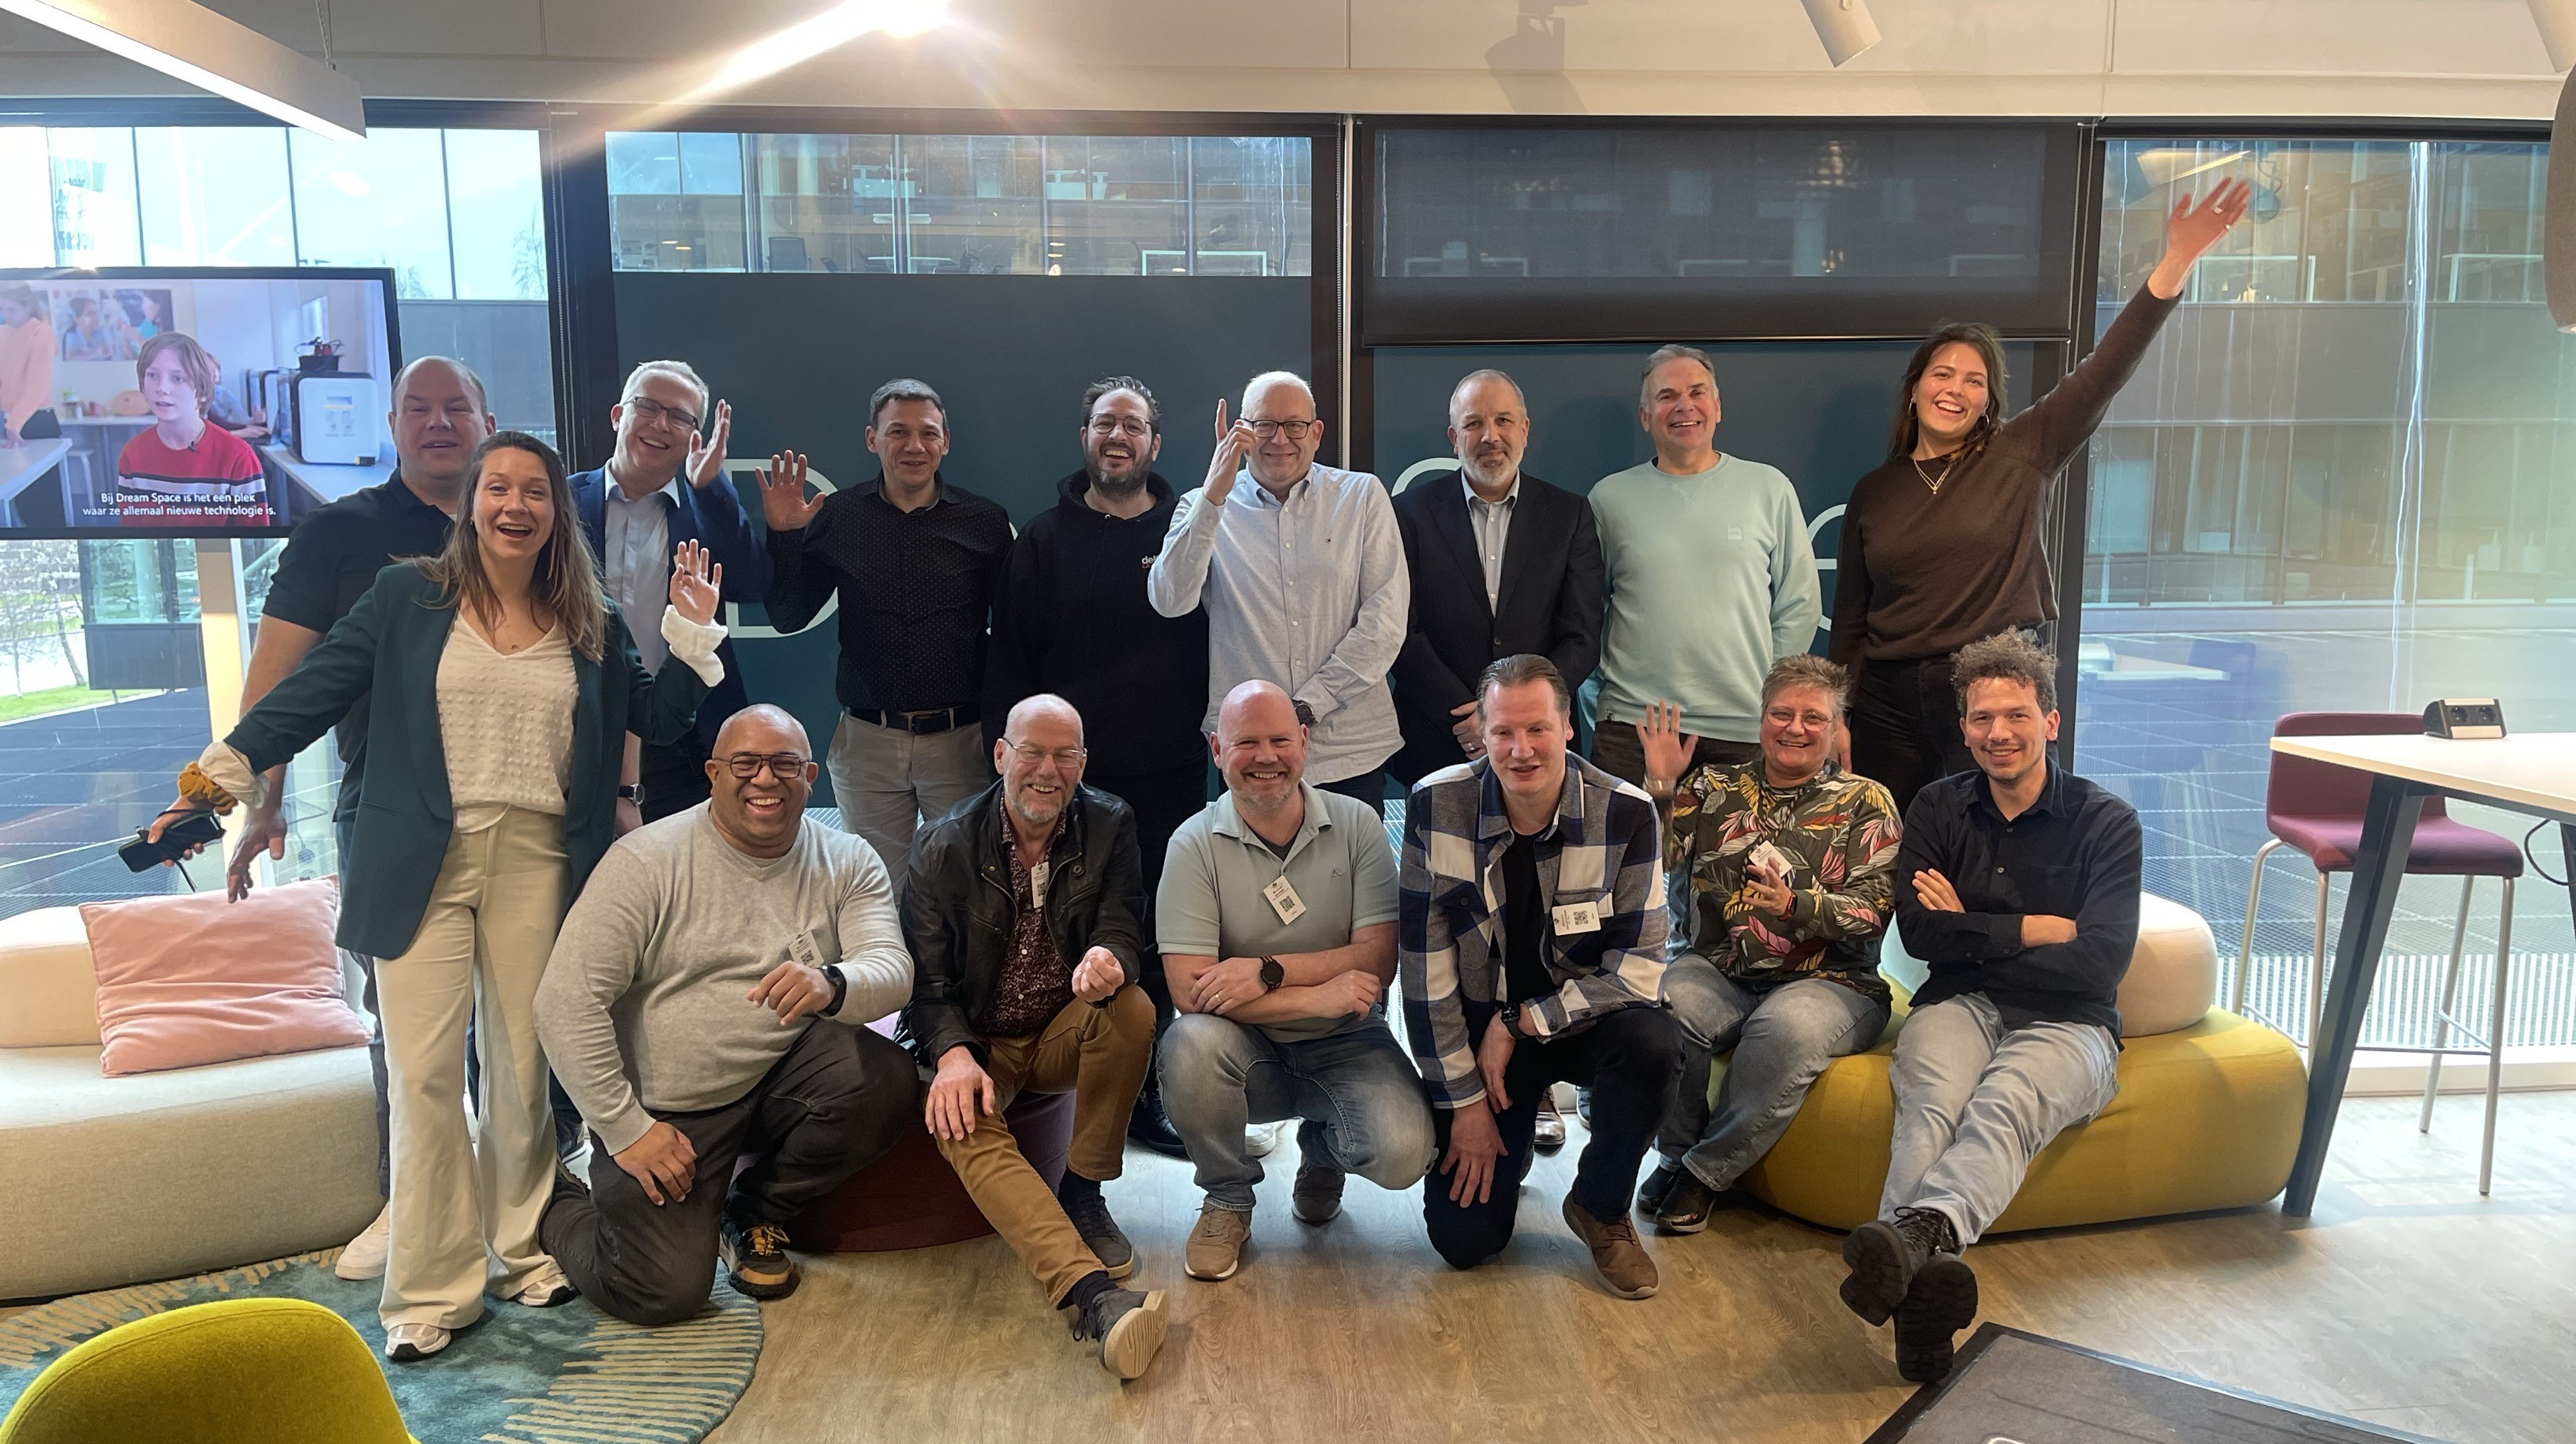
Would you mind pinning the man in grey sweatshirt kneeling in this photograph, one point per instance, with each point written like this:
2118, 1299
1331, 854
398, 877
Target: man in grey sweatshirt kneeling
682, 1010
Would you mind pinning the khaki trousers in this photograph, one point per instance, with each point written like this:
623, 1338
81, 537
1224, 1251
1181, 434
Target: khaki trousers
465, 1205
1100, 1055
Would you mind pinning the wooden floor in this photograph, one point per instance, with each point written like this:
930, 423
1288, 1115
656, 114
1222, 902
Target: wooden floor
2407, 1300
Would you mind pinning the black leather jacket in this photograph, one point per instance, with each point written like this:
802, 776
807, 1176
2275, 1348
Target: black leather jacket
959, 911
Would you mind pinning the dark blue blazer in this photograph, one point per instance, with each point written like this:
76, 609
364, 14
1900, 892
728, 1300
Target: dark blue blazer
387, 649
712, 517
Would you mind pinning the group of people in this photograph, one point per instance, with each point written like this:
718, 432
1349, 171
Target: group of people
570, 837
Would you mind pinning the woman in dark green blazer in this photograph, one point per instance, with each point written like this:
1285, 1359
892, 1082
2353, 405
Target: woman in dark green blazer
502, 684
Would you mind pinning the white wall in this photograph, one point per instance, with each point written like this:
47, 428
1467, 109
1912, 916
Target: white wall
2440, 58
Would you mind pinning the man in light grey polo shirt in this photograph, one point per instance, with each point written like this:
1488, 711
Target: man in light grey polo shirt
1304, 581
1276, 917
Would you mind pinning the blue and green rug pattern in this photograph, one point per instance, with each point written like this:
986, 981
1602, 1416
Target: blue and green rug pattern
568, 1375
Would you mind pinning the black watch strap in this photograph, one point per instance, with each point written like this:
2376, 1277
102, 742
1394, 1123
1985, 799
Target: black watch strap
840, 989
1272, 973
631, 792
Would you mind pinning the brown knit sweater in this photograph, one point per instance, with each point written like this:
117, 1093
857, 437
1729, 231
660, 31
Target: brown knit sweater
1922, 575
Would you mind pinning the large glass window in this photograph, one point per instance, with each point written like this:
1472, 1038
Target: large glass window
214, 196
2339, 482
962, 204
94, 210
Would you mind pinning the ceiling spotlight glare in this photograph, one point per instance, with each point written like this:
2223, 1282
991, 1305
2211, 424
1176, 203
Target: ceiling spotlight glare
1845, 26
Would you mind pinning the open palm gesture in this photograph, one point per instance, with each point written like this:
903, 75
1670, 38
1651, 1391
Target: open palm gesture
784, 506
707, 453
1667, 747
2191, 229
697, 581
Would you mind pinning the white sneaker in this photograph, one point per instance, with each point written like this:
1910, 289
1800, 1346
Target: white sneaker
546, 1287
1261, 1139
364, 1258
408, 1343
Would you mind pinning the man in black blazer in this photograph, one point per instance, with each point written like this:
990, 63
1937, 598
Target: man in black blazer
1502, 563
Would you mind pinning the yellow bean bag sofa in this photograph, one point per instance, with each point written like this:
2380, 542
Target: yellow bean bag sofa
2207, 1116
238, 1371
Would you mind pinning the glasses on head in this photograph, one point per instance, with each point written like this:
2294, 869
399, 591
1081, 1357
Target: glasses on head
785, 766
1066, 759
1293, 430
1119, 426
649, 410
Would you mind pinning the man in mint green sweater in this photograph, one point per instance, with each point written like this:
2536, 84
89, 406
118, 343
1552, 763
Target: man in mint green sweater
1711, 578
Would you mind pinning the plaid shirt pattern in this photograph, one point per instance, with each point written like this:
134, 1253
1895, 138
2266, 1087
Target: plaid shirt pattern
1604, 847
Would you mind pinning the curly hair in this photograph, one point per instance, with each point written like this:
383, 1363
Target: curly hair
2007, 657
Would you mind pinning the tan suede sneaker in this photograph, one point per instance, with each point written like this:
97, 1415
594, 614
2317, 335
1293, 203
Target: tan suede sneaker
1626, 1268
1215, 1249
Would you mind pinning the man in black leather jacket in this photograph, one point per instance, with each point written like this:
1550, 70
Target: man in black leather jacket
1021, 910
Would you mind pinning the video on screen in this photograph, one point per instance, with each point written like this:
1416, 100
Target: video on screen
190, 402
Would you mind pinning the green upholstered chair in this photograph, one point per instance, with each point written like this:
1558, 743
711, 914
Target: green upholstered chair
239, 1371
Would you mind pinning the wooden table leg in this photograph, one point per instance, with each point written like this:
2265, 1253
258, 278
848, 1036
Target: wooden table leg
2387, 835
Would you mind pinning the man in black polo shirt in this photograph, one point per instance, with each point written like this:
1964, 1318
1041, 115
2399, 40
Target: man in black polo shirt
915, 562
331, 558
2018, 884
1073, 619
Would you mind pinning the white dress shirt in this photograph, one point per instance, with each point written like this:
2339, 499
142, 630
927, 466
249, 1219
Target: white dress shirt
637, 537
1492, 524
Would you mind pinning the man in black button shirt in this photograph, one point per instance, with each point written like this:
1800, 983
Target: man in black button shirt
915, 562
2018, 883
332, 557
1072, 618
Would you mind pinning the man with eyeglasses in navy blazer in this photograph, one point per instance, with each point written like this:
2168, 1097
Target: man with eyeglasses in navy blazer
665, 484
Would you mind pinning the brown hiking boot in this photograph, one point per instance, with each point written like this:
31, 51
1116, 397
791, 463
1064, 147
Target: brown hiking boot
1626, 1268
1215, 1247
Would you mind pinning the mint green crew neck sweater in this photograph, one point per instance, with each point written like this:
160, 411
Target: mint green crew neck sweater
1711, 578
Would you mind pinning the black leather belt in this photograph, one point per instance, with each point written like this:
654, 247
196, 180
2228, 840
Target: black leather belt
920, 723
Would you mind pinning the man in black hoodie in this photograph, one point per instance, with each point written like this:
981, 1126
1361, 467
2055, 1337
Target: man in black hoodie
1072, 619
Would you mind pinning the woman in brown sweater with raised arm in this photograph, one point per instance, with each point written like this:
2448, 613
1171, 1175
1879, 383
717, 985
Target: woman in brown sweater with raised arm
1941, 544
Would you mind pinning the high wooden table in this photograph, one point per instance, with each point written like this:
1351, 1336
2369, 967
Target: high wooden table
2528, 772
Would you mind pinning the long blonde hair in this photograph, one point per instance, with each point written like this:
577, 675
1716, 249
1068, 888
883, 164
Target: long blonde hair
567, 582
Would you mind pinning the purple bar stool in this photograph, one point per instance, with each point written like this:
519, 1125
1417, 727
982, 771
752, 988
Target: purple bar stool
2316, 808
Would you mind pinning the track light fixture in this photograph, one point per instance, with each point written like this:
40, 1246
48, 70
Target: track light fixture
1847, 29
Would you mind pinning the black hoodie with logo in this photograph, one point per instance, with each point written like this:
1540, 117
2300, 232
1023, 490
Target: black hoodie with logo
1071, 618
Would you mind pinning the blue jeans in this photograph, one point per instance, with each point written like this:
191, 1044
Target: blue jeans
1358, 1091
1782, 1039
1976, 1101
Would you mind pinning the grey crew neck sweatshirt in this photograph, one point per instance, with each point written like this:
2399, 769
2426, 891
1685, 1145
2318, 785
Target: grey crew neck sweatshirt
645, 1006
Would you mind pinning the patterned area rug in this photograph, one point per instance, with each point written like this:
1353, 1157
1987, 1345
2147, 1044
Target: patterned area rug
569, 1375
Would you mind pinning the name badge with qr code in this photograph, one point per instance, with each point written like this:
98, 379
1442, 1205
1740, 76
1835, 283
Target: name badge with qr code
1582, 917
1284, 900
803, 950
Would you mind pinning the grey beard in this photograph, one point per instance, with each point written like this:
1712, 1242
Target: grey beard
1107, 487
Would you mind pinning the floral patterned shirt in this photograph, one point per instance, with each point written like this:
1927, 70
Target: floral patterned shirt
1833, 837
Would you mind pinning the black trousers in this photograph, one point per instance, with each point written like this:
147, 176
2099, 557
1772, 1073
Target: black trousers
1905, 726
1162, 801
1368, 787
1629, 1059
839, 1098
674, 778
1616, 750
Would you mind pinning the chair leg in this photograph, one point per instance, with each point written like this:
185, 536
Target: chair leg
2245, 945
2495, 1039
2317, 967
2442, 1015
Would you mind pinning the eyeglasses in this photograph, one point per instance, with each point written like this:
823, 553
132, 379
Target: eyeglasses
1293, 430
647, 409
1118, 426
785, 766
1066, 759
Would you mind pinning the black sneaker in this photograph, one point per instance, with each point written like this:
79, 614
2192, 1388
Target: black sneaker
756, 1261
1583, 1105
1090, 1215
1129, 1326
1884, 1257
1150, 1128
1942, 1301
1650, 1194
1317, 1195
1686, 1206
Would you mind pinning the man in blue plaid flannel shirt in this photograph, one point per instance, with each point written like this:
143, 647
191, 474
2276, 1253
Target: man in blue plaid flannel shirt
1531, 944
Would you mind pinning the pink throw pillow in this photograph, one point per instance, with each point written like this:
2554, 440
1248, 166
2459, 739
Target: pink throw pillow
191, 979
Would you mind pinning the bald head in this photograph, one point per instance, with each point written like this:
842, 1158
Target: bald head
1046, 710
1041, 759
438, 418
1255, 706
1260, 746
762, 727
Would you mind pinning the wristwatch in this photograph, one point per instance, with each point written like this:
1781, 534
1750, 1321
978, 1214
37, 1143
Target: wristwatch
1272, 974
631, 792
840, 989
1510, 1013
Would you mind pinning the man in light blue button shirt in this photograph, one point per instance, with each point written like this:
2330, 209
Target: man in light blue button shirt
1304, 582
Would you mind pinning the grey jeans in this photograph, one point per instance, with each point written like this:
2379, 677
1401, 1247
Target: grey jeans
1359, 1092
886, 781
1976, 1101
1783, 1037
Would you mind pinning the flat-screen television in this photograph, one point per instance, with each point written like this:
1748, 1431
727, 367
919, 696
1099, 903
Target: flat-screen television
190, 401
